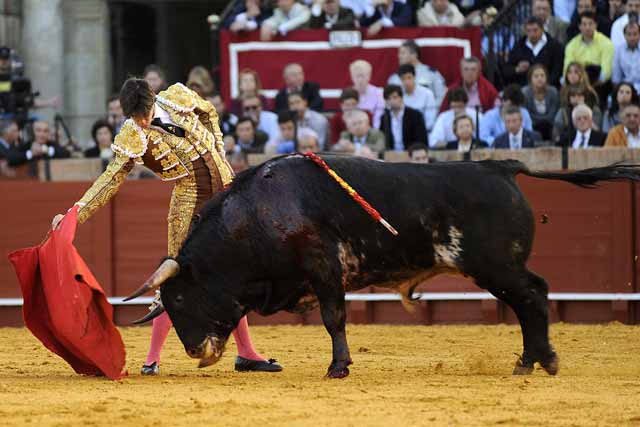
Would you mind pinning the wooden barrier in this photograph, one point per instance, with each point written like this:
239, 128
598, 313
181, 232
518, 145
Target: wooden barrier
587, 245
69, 169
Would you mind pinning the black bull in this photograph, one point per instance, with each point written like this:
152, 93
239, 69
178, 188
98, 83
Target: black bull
285, 235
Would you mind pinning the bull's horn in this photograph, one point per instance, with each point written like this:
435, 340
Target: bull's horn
157, 311
167, 269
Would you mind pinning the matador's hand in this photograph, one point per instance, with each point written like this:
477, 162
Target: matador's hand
56, 221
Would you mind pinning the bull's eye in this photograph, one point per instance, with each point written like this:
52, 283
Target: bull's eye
179, 299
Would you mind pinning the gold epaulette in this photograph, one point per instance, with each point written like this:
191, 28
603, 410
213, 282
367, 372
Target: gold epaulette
178, 98
131, 141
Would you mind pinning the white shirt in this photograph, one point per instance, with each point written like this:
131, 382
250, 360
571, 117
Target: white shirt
161, 114
633, 141
563, 9
515, 141
538, 46
423, 100
269, 125
617, 31
443, 127
579, 142
396, 129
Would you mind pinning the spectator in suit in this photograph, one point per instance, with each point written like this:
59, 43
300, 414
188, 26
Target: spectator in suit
360, 133
329, 15
541, 100
371, 98
248, 84
387, 14
626, 60
248, 139
306, 118
288, 16
442, 132
479, 90
226, 120
246, 15
43, 141
102, 135
440, 13
562, 121
617, 28
623, 95
286, 142
11, 149
617, 8
516, 136
308, 141
493, 123
418, 153
627, 133
534, 48
418, 97
583, 135
295, 82
553, 25
401, 125
464, 131
409, 53
349, 99
266, 121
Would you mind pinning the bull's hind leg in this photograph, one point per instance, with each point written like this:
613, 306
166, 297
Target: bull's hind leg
527, 294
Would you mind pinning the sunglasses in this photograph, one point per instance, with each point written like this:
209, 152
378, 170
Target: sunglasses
251, 107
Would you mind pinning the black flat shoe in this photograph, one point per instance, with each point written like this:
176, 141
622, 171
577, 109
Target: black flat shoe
246, 365
153, 369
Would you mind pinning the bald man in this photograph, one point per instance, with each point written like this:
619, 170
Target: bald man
294, 81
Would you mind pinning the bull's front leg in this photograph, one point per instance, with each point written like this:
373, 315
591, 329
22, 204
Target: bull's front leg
333, 312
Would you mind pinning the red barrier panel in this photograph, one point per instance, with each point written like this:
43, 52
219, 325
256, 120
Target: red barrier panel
588, 245
441, 48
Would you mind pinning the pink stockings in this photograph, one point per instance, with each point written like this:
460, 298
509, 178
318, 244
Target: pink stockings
162, 324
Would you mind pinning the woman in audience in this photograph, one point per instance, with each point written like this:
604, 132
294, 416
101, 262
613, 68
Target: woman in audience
624, 95
576, 76
248, 84
371, 98
542, 100
562, 122
102, 135
463, 129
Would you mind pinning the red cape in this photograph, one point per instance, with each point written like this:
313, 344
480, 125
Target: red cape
65, 307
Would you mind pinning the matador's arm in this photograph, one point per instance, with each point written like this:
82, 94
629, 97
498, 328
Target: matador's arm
209, 117
104, 188
129, 146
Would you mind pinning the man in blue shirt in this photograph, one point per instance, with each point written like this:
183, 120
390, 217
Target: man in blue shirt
493, 124
626, 61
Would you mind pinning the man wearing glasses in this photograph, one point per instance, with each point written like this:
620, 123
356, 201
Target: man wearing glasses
265, 121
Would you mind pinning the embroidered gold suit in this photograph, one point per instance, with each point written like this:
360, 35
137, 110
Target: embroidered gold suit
170, 157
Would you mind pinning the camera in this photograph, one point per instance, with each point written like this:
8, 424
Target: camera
16, 96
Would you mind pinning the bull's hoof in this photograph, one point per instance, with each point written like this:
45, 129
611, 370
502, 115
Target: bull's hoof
522, 368
338, 372
552, 365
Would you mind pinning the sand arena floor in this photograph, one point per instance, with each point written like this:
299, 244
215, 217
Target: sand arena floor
432, 375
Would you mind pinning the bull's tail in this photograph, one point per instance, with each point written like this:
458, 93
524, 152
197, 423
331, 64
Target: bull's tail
588, 178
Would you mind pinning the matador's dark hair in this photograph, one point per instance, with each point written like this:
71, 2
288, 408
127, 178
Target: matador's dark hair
136, 97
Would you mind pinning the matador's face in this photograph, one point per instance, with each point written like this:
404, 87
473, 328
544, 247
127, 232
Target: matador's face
145, 121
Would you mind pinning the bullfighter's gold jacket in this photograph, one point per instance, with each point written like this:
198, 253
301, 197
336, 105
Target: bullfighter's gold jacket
169, 156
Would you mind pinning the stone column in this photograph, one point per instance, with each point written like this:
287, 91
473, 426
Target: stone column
87, 64
43, 48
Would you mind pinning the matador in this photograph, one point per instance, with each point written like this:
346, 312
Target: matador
176, 135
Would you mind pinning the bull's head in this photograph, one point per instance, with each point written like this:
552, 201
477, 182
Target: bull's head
202, 313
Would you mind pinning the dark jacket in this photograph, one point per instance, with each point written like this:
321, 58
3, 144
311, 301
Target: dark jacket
239, 7
401, 15
551, 56
346, 20
596, 138
529, 139
16, 155
311, 92
475, 144
413, 129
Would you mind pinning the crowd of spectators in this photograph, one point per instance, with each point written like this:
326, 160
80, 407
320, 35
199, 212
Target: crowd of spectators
570, 78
